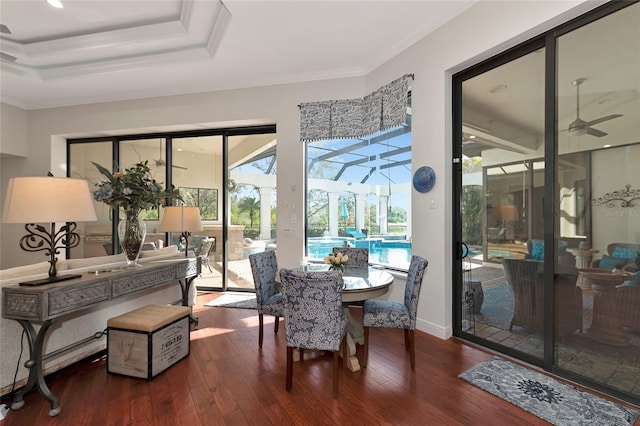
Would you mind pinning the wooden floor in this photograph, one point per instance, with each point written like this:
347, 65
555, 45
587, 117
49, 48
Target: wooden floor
227, 380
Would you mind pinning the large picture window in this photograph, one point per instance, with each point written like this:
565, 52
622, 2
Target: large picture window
204, 198
359, 193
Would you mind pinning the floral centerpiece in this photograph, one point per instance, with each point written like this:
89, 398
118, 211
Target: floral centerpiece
134, 190
336, 261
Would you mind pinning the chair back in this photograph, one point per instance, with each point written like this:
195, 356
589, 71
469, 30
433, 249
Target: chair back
417, 267
528, 292
313, 316
358, 257
264, 266
205, 247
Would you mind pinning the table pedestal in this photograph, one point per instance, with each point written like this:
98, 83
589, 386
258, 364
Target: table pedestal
583, 257
606, 326
354, 335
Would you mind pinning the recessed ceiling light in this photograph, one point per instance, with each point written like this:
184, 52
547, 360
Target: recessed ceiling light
606, 146
497, 88
472, 136
55, 3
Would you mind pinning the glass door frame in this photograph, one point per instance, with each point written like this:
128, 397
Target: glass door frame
551, 214
168, 136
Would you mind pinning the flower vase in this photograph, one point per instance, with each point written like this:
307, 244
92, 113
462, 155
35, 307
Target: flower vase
338, 267
131, 231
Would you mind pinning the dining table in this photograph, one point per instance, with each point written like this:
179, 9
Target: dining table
360, 284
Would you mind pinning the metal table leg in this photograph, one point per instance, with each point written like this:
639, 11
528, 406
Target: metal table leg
34, 364
185, 284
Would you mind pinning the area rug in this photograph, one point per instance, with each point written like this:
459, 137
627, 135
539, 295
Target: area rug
497, 308
234, 300
549, 399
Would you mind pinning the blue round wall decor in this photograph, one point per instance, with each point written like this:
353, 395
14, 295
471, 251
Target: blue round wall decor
424, 179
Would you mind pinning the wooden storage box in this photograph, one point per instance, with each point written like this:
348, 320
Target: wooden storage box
145, 342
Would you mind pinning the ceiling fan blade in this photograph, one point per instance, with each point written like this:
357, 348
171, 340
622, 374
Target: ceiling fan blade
602, 119
595, 132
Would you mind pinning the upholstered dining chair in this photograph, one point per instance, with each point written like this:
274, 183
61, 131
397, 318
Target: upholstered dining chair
269, 300
313, 317
382, 313
358, 257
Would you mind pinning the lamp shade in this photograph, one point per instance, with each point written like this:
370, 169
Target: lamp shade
48, 200
181, 219
506, 213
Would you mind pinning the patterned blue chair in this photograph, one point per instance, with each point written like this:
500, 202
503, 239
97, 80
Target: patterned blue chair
358, 257
269, 300
313, 316
381, 313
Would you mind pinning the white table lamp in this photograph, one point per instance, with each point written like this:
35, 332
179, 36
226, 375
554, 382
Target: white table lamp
183, 219
36, 200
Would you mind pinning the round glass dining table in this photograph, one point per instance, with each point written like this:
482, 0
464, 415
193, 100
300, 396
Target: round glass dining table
360, 284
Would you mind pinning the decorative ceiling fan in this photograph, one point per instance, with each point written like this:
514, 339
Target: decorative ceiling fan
581, 127
161, 163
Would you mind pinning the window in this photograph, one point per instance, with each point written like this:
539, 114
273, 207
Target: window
204, 198
359, 193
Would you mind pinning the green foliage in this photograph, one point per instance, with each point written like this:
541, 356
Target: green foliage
471, 206
397, 215
133, 189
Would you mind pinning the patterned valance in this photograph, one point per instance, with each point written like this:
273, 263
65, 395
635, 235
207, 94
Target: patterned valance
355, 118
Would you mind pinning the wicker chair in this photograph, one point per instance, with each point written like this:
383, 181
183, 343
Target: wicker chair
522, 277
526, 280
620, 250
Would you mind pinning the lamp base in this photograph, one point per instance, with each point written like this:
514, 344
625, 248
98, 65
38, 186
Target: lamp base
49, 280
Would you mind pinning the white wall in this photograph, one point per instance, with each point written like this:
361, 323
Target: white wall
614, 224
483, 30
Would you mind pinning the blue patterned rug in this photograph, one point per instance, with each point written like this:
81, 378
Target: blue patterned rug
547, 398
497, 308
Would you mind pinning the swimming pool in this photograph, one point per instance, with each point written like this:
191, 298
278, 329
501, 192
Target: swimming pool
394, 253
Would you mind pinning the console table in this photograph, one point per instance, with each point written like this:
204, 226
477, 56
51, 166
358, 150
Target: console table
53, 302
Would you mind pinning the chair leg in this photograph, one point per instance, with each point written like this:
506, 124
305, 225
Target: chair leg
301, 352
260, 324
412, 350
289, 368
365, 352
406, 339
276, 326
336, 368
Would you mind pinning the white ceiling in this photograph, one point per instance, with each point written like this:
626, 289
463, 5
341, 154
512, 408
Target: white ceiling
107, 50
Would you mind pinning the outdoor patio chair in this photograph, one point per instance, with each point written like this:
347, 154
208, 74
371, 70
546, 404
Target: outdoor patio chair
204, 251
382, 313
618, 253
269, 300
526, 280
313, 317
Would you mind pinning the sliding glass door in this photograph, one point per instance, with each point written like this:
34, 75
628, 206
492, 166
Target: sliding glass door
501, 301
548, 200
598, 199
229, 174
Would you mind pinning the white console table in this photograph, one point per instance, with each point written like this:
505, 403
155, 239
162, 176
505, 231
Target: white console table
49, 303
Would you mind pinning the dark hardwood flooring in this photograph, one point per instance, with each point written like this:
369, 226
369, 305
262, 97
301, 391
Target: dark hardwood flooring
227, 380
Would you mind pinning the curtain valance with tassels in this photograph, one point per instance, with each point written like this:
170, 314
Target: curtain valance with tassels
355, 118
